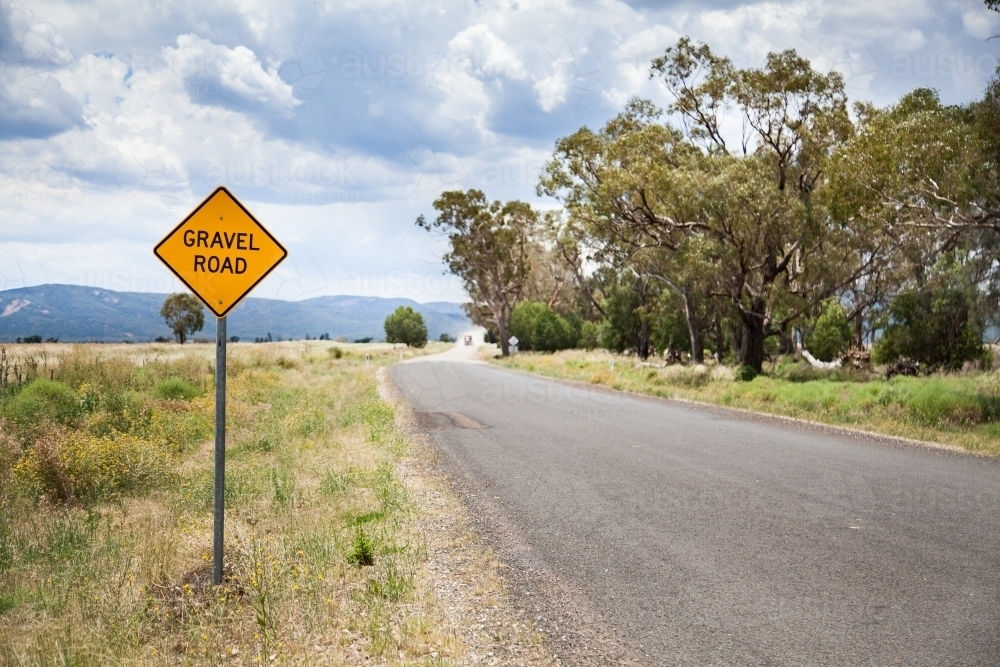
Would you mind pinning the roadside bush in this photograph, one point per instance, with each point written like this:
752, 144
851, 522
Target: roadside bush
362, 549
936, 325
406, 325
540, 328
590, 333
552, 332
831, 333
522, 322
684, 376
78, 465
176, 389
621, 329
44, 401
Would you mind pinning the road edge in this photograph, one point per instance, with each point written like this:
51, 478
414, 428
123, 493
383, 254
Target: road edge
465, 571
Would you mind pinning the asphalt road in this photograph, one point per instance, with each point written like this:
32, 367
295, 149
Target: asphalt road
651, 532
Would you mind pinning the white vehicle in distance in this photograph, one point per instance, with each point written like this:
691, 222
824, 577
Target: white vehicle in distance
468, 339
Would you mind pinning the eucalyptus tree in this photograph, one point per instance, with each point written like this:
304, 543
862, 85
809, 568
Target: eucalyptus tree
929, 176
629, 202
490, 252
779, 256
751, 199
184, 314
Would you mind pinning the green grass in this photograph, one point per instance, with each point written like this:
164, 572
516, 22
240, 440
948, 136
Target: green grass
961, 410
176, 389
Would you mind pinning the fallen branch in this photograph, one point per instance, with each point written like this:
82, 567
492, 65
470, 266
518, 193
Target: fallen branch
816, 363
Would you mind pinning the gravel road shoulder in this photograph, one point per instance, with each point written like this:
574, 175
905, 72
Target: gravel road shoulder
461, 570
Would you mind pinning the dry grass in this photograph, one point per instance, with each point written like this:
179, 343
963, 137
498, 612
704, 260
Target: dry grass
961, 410
325, 559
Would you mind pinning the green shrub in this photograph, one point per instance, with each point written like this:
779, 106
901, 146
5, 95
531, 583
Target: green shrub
538, 327
589, 336
936, 325
406, 325
362, 550
831, 332
623, 325
522, 322
44, 401
176, 389
552, 332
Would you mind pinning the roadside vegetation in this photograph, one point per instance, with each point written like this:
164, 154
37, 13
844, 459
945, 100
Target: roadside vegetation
709, 257
844, 229
960, 409
106, 511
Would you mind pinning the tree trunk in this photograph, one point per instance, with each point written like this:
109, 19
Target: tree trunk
859, 330
736, 337
720, 340
752, 351
643, 347
694, 332
502, 324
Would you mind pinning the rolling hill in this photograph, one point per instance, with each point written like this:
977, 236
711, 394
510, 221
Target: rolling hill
71, 313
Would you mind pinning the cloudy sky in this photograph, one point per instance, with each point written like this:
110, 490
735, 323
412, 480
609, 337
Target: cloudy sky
338, 123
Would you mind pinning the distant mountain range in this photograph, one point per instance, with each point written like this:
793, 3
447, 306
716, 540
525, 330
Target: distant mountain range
71, 313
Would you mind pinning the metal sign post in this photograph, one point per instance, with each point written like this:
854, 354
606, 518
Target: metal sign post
221, 252
219, 528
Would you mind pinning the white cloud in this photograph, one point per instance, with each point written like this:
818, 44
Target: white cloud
34, 40
909, 40
981, 23
236, 69
486, 54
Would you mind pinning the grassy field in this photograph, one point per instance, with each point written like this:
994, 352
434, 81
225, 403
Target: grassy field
961, 410
106, 511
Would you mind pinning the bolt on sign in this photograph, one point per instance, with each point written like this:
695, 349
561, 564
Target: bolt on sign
220, 251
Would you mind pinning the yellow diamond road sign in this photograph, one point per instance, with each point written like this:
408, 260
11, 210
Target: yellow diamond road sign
220, 251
